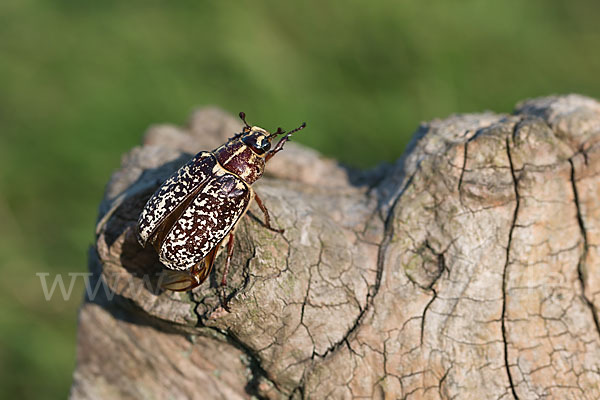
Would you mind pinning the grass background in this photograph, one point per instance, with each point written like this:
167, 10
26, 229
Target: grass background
81, 81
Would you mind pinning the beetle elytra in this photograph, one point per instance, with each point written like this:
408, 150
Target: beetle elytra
189, 216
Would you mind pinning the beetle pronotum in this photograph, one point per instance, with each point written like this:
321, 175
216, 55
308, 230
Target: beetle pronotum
189, 216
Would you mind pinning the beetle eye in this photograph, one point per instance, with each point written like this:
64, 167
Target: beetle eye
266, 145
259, 146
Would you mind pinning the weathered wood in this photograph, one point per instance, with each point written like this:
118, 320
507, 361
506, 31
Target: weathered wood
467, 269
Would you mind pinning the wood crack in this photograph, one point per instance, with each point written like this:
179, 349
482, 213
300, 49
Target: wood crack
507, 263
581, 273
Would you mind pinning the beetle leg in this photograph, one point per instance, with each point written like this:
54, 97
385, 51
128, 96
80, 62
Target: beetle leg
226, 270
179, 281
266, 213
282, 141
182, 281
228, 260
278, 147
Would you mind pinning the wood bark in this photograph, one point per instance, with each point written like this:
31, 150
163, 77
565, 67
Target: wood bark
469, 268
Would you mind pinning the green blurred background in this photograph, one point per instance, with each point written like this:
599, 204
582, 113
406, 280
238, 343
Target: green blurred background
80, 81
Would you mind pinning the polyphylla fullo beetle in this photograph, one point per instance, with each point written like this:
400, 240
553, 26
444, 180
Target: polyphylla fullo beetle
189, 216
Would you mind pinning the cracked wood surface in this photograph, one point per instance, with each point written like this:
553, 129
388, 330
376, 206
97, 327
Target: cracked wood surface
467, 269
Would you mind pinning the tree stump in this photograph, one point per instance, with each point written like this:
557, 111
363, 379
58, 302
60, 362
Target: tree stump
469, 268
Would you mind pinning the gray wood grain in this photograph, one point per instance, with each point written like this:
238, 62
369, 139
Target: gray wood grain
469, 268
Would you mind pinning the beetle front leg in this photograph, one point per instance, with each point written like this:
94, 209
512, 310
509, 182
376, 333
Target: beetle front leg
282, 141
278, 147
266, 213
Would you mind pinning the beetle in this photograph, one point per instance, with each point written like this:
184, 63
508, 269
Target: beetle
189, 216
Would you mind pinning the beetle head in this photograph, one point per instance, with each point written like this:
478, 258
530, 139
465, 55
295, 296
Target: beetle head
259, 140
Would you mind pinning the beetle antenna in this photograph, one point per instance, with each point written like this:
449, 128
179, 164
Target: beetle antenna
279, 132
298, 128
282, 141
243, 117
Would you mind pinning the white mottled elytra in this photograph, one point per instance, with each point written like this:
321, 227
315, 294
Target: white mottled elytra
189, 216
